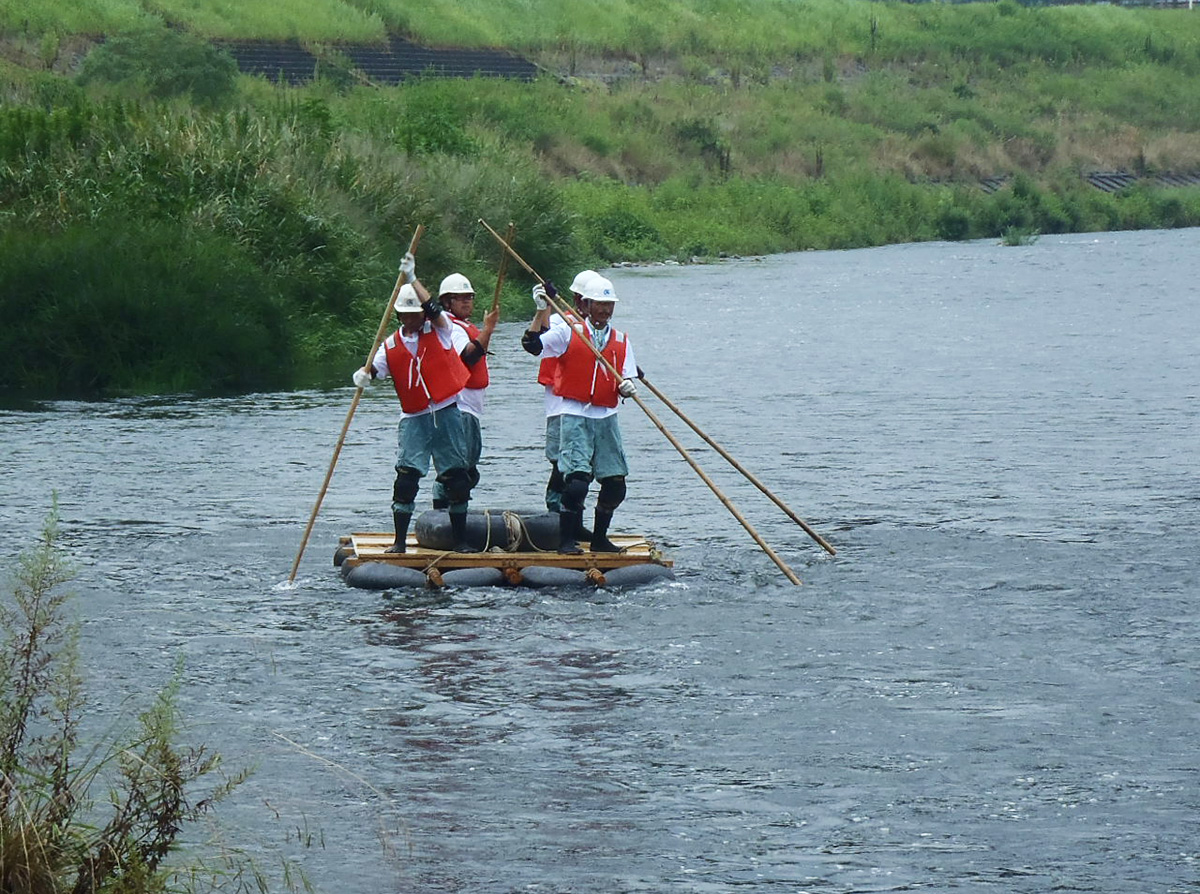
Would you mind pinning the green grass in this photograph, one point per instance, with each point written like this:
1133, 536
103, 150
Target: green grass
39, 17
323, 20
749, 35
273, 217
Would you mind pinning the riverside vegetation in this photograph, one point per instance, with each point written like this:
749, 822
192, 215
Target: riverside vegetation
169, 225
81, 815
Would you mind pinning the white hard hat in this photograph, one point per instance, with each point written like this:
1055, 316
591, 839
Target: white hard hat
598, 288
581, 280
407, 301
455, 284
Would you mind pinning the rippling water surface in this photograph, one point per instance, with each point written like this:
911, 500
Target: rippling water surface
992, 686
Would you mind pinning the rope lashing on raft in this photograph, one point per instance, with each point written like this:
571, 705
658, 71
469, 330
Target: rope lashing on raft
504, 531
514, 528
521, 535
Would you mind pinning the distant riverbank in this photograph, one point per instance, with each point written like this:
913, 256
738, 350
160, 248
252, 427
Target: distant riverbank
150, 183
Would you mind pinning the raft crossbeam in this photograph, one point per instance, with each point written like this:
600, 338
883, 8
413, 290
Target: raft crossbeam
371, 547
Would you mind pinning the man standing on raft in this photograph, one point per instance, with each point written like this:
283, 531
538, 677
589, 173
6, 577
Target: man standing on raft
590, 443
423, 359
553, 403
457, 298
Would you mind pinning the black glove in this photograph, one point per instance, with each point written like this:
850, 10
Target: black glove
432, 309
550, 290
532, 342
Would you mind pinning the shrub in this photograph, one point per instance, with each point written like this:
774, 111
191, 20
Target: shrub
953, 224
1014, 236
703, 137
619, 223
53, 836
163, 63
433, 122
138, 310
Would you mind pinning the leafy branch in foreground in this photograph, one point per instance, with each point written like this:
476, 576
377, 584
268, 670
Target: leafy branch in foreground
54, 838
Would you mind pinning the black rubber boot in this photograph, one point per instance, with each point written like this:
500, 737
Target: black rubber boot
458, 530
581, 533
401, 519
600, 541
568, 525
554, 489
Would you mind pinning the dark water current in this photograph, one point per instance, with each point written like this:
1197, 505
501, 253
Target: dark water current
992, 687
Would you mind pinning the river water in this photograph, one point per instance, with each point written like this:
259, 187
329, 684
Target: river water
992, 685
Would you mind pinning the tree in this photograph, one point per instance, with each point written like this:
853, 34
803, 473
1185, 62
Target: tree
163, 63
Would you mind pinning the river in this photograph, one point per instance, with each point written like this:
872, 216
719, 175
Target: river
992, 685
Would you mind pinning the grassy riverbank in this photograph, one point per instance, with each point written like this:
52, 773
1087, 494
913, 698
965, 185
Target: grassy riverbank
167, 225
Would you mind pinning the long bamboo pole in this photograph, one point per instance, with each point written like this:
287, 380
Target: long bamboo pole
659, 425
358, 392
720, 495
733, 462
512, 228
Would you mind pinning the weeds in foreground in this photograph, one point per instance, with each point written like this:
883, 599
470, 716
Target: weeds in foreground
56, 835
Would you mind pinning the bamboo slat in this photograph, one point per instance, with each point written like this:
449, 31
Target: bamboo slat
372, 546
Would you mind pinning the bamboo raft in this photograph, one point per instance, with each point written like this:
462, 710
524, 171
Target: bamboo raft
355, 552
365, 563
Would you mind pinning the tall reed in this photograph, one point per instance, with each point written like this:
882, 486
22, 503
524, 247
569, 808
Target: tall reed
57, 833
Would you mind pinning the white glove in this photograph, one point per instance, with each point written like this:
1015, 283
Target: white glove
627, 388
539, 297
362, 378
408, 266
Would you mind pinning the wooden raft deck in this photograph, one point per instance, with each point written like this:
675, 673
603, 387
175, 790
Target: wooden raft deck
370, 547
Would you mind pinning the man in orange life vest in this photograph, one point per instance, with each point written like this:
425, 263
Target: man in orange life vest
458, 300
423, 359
590, 443
554, 403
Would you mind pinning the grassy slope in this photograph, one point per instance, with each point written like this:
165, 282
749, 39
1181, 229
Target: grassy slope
691, 128
919, 89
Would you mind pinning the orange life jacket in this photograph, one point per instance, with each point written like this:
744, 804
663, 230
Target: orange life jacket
478, 377
546, 370
549, 365
580, 376
433, 374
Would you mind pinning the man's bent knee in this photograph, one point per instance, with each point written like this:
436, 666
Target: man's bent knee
404, 490
612, 493
575, 491
458, 485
